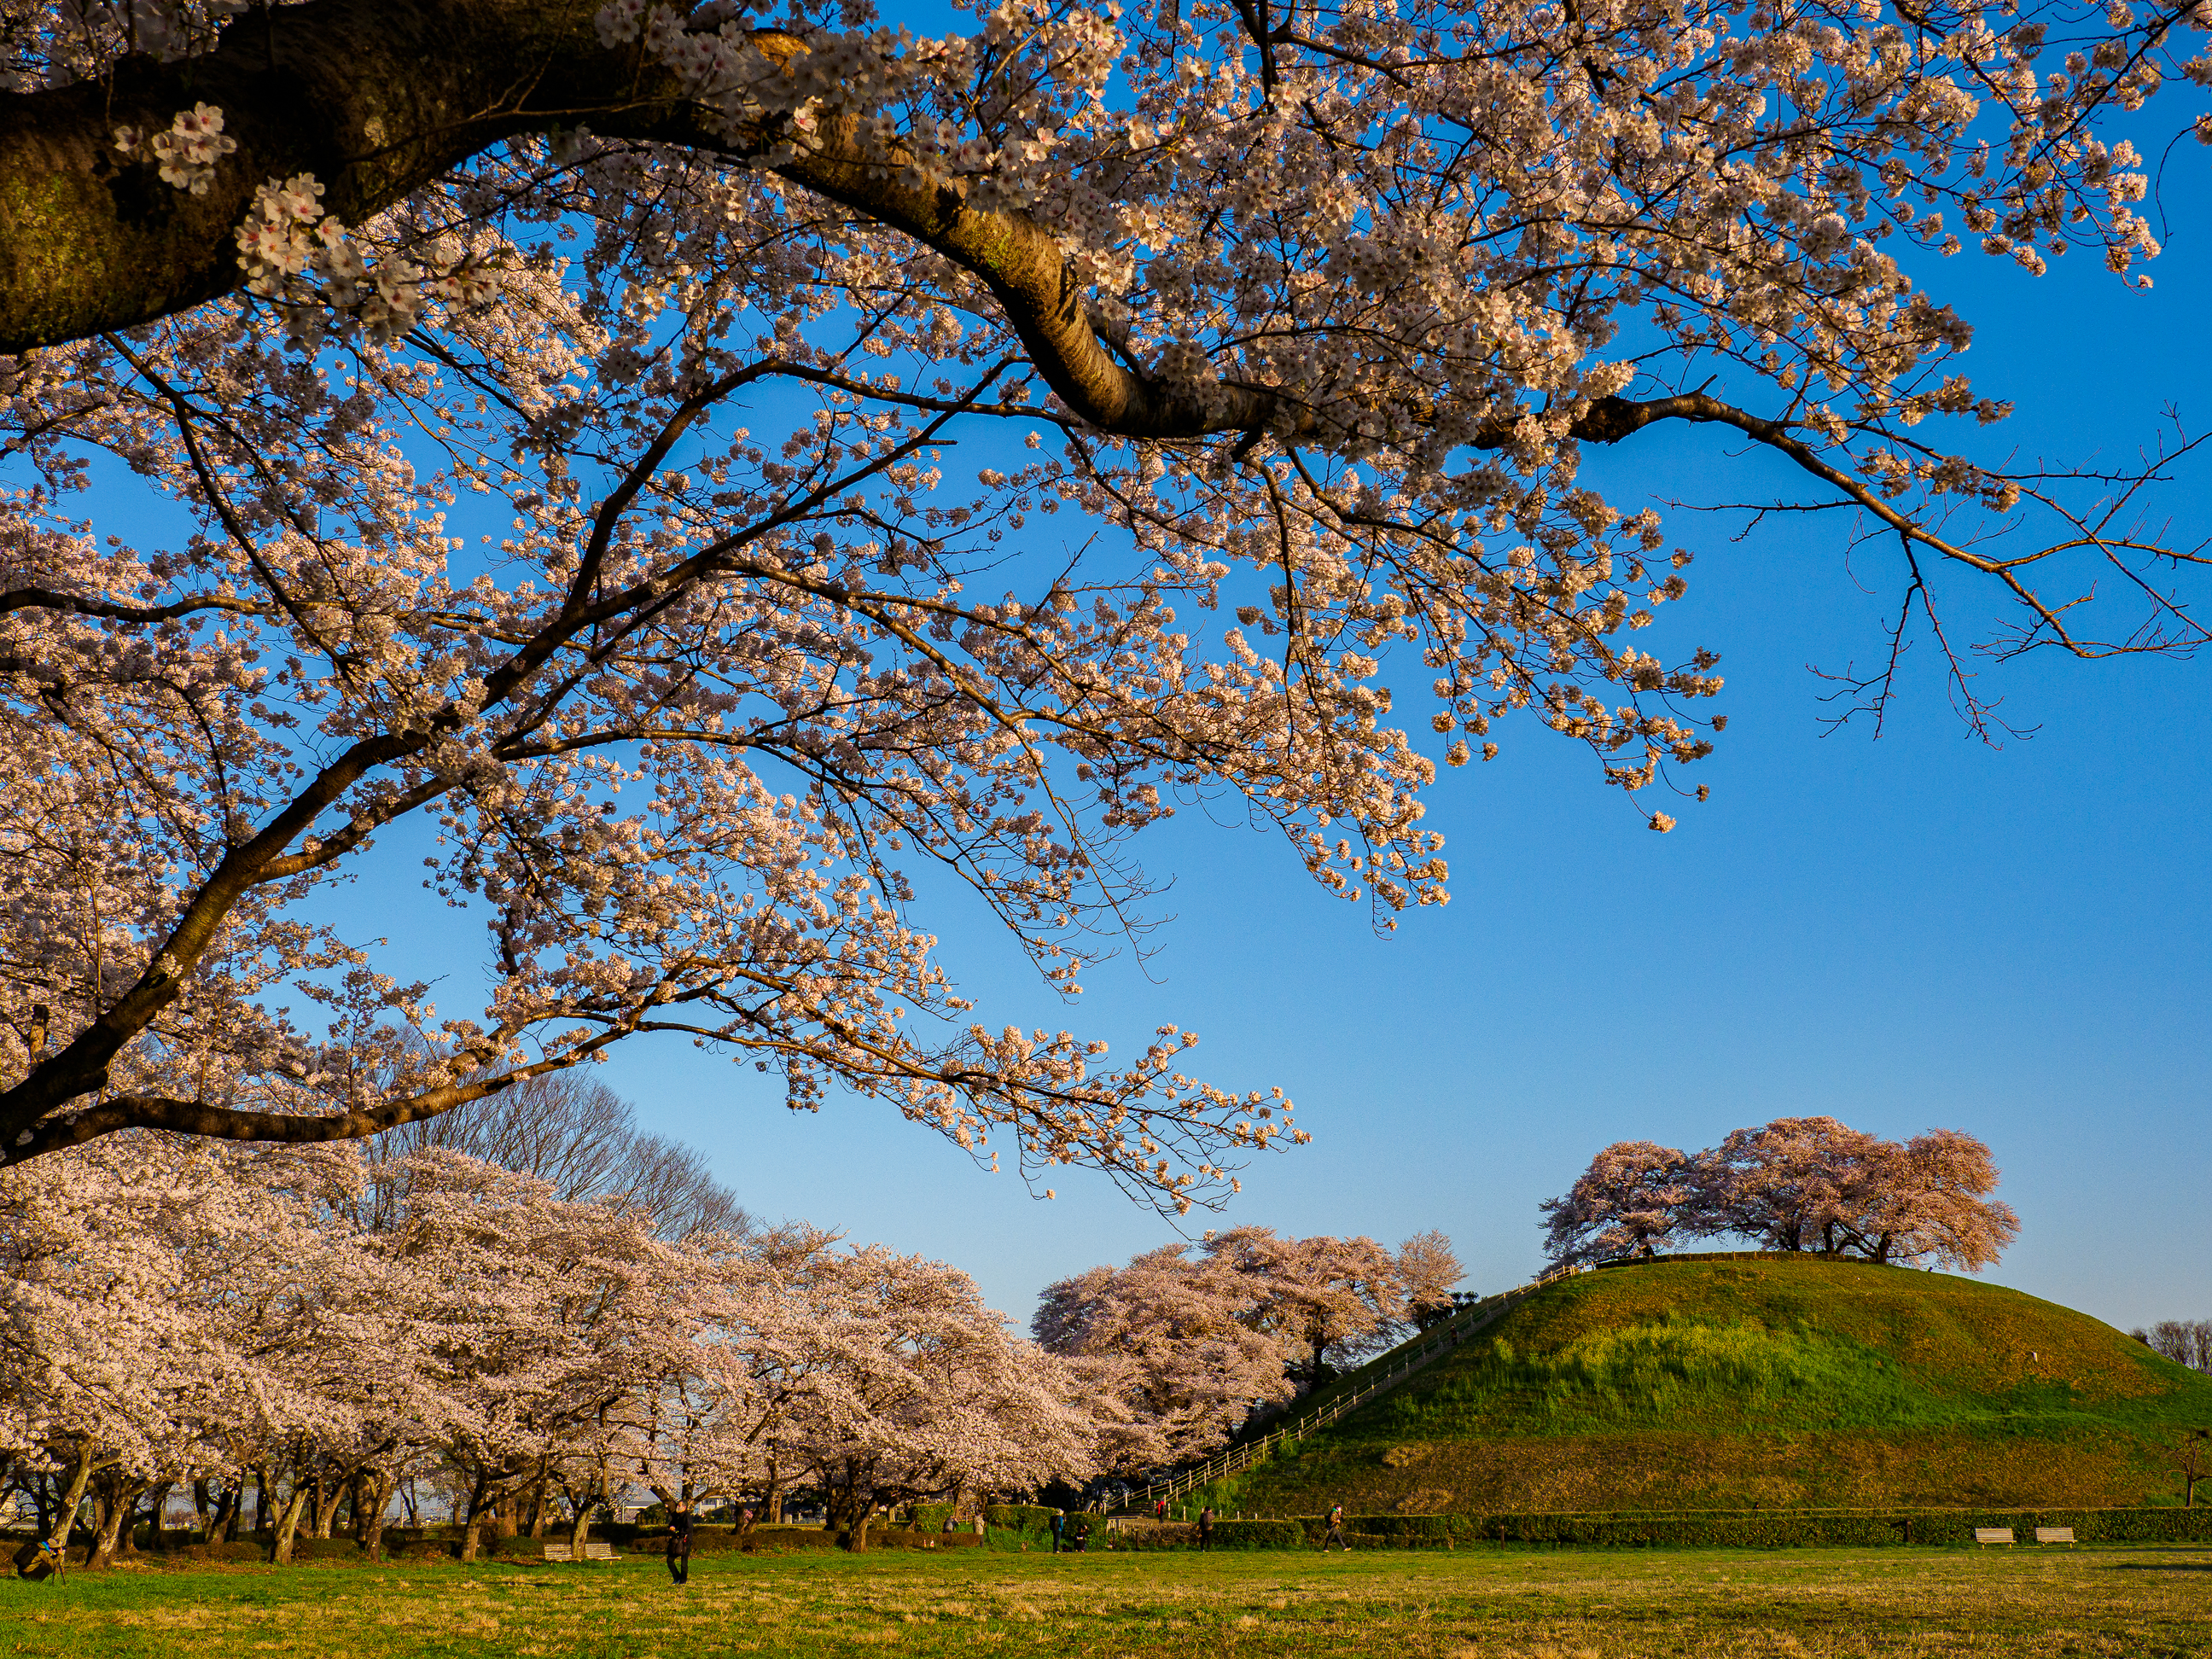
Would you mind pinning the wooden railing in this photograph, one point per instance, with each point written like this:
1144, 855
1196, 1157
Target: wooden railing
1409, 1358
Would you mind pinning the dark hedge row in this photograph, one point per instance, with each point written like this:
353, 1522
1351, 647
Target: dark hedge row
1713, 1528
1732, 1528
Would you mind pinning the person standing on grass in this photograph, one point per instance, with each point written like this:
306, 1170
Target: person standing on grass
1205, 1528
1336, 1530
679, 1543
1058, 1530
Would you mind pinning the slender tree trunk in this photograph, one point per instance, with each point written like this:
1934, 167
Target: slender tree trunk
222, 1522
264, 1500
772, 1505
156, 1515
473, 1533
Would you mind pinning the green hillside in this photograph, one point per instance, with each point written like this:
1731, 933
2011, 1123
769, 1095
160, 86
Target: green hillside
1762, 1382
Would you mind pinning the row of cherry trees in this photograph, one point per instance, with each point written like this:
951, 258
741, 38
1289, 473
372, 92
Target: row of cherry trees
1798, 1183
1200, 1334
324, 1324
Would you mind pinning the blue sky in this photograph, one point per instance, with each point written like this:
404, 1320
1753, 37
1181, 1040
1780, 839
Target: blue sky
1907, 932
1913, 932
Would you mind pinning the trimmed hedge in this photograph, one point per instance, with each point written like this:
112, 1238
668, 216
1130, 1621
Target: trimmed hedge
1756, 1528
1681, 1529
1019, 1518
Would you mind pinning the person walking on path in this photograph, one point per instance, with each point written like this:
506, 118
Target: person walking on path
1336, 1530
679, 1543
1205, 1528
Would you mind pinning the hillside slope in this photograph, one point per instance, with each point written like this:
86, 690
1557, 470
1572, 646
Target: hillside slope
1763, 1383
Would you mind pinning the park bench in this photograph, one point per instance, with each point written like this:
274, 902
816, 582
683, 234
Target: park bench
2054, 1534
1993, 1534
593, 1551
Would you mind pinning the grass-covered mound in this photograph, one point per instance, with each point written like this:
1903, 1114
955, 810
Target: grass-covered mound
1742, 1383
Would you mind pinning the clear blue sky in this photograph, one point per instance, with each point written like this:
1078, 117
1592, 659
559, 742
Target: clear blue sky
1915, 932
1909, 932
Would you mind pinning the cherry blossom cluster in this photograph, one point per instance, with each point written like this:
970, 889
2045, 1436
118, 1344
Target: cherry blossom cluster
185, 154
286, 240
1192, 1346
318, 1323
1807, 1183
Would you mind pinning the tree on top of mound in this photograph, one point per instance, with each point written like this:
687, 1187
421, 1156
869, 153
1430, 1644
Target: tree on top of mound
1630, 1202
1797, 1183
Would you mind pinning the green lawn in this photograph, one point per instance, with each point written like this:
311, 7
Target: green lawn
1468, 1604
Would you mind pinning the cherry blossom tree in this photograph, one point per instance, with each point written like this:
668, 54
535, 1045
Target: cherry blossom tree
1797, 1183
1791, 1184
552, 414
1630, 1201
162, 1312
183, 1310
1929, 1197
1333, 1301
1194, 1344
1174, 1341
929, 1397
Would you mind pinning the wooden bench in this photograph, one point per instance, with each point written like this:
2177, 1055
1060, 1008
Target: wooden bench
1993, 1534
593, 1551
2054, 1534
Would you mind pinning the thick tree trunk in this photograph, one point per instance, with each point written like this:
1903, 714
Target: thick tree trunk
221, 1522
57, 1538
372, 1498
579, 1530
288, 1523
117, 1511
378, 98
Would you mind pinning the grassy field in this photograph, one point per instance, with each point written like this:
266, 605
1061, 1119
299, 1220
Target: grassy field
1487, 1604
1772, 1384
